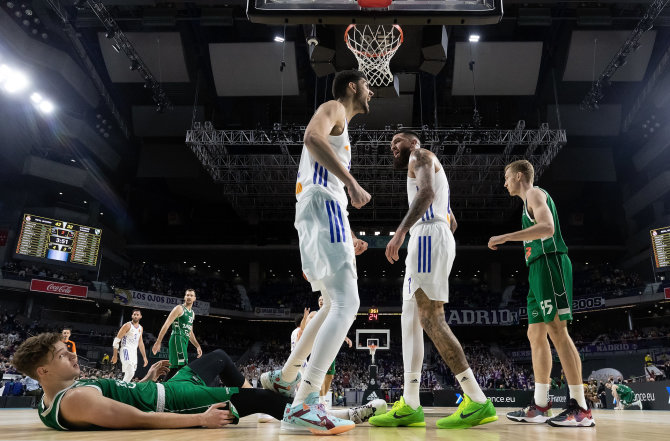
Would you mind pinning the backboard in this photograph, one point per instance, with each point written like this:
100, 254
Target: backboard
407, 12
380, 337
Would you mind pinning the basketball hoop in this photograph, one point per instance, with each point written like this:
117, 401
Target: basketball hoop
372, 349
374, 46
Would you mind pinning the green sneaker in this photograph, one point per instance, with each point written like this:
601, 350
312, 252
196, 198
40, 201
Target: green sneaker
400, 415
469, 414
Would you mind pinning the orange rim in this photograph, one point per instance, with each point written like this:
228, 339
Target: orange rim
368, 54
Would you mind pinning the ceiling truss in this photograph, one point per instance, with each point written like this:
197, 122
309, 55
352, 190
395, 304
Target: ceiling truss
258, 167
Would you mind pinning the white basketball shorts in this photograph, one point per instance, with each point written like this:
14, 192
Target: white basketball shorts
430, 256
324, 234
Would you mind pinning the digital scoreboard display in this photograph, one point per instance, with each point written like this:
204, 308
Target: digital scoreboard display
373, 314
59, 240
660, 244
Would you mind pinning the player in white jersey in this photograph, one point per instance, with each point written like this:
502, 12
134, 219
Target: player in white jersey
327, 251
126, 343
430, 255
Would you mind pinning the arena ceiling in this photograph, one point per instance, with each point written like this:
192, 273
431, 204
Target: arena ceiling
214, 65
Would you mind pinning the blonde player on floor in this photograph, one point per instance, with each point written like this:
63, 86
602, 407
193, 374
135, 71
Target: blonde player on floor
623, 395
430, 255
129, 338
327, 251
549, 300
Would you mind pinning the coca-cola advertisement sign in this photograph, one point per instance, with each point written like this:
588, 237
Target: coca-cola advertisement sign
61, 289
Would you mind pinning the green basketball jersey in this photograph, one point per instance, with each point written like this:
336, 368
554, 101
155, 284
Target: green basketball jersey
142, 396
183, 325
623, 389
547, 245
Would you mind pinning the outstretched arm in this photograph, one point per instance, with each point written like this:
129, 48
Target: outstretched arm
123, 331
84, 407
193, 340
544, 222
176, 312
143, 351
421, 164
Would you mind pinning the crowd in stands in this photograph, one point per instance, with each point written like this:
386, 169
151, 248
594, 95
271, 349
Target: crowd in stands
605, 280
19, 270
160, 279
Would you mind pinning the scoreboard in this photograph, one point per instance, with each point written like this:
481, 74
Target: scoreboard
660, 244
59, 240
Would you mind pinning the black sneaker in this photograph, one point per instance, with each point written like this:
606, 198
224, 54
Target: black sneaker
573, 416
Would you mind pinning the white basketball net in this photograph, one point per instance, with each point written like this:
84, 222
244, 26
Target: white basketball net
374, 46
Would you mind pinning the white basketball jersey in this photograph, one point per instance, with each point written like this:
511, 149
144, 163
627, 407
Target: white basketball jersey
294, 338
440, 209
131, 340
312, 175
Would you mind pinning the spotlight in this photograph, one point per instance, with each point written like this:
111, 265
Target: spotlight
279, 39
361, 233
26, 22
46, 106
18, 14
10, 5
377, 233
36, 98
15, 81
392, 233
474, 38
29, 12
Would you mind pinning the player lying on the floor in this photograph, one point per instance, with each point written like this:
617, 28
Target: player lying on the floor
186, 400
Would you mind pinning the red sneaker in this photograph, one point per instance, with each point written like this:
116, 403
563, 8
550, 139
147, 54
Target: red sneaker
573, 416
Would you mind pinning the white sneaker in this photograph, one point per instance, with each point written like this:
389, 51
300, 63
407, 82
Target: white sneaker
363, 413
265, 418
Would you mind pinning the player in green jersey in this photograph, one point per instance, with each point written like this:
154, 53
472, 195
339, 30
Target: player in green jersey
181, 319
186, 400
183, 401
623, 395
549, 302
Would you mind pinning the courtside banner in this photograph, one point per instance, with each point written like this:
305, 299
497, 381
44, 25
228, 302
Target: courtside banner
159, 302
61, 289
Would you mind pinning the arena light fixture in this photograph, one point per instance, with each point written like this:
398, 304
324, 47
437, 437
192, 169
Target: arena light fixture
15, 81
474, 38
392, 233
36, 98
279, 39
361, 233
46, 106
377, 233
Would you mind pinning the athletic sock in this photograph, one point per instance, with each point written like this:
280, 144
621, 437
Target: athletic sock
470, 386
541, 394
577, 393
411, 389
339, 413
322, 399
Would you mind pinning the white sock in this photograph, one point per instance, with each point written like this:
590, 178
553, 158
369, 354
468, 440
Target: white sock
541, 394
322, 399
411, 389
339, 413
342, 290
577, 393
470, 386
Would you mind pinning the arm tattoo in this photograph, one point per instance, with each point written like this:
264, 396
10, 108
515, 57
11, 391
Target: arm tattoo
423, 170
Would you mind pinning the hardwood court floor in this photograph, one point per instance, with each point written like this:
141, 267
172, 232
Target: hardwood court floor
611, 425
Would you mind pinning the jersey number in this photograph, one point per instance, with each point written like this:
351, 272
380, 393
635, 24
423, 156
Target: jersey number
528, 251
546, 307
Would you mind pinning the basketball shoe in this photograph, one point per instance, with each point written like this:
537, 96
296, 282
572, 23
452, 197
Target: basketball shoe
400, 415
273, 381
531, 414
573, 416
363, 413
469, 414
311, 416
